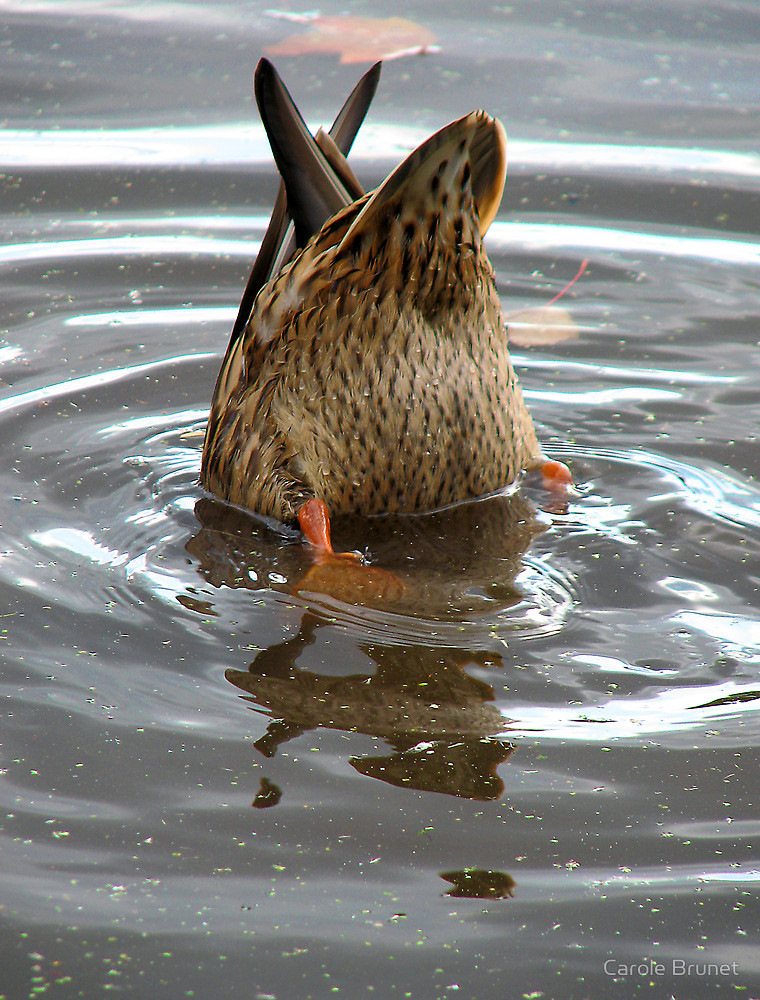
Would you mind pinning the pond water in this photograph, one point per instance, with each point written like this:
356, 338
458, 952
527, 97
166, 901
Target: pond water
536, 773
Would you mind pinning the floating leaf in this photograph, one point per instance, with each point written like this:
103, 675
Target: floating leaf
357, 39
543, 325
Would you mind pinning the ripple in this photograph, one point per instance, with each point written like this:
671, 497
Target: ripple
737, 635
86, 383
150, 245
141, 470
186, 316
589, 371
660, 712
146, 541
562, 239
546, 600
79, 543
245, 142
714, 493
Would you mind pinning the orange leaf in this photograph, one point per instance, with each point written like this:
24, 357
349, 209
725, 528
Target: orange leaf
358, 39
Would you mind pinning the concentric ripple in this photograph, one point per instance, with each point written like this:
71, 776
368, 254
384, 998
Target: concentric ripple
107, 418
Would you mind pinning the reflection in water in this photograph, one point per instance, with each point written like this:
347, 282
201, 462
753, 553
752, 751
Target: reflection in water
441, 723
268, 794
455, 563
479, 883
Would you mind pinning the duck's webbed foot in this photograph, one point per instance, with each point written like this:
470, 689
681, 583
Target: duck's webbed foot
556, 476
314, 521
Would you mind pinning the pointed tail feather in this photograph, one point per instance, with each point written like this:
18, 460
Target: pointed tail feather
314, 191
279, 243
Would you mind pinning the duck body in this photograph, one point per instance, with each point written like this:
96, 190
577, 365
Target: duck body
372, 372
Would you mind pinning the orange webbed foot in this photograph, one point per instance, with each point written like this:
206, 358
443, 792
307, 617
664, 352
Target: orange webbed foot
556, 476
314, 521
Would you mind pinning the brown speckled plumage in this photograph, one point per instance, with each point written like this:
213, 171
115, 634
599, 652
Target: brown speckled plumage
373, 372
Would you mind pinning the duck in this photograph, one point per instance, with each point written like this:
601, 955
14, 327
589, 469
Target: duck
368, 370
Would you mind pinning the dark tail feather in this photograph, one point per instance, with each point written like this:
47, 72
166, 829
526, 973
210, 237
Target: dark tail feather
354, 111
314, 192
280, 240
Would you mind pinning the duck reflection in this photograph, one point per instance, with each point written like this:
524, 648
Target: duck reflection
479, 883
452, 563
444, 731
439, 720
268, 794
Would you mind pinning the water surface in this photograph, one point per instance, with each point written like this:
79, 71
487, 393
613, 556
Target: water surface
218, 781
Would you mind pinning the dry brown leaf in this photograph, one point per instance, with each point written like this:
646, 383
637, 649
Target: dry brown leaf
542, 325
358, 39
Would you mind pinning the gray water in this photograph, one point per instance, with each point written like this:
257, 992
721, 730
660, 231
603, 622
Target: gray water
536, 774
